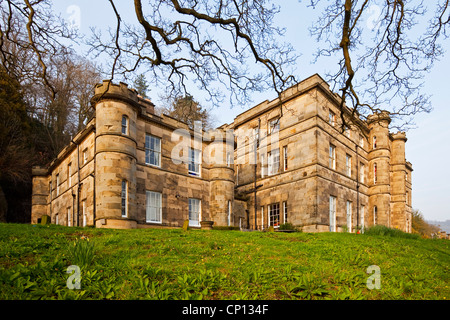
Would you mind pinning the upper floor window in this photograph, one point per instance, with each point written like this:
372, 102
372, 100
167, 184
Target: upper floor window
194, 162
273, 161
374, 142
125, 124
69, 174
361, 141
347, 131
57, 184
375, 173
152, 150
332, 118
85, 156
332, 157
285, 158
348, 165
362, 169
274, 125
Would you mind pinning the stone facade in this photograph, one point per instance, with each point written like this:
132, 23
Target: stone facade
130, 168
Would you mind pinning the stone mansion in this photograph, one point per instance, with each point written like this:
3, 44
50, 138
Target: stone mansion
289, 160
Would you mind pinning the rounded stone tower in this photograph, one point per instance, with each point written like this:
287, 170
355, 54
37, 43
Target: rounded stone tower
221, 176
116, 108
399, 214
379, 169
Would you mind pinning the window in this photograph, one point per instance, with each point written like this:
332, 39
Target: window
374, 143
348, 165
285, 158
349, 216
407, 197
69, 175
375, 173
83, 212
262, 218
263, 168
194, 162
274, 125
347, 132
69, 218
56, 219
194, 212
332, 159
332, 214
274, 215
375, 215
229, 213
362, 169
51, 190
363, 210
124, 124
152, 150
361, 141
57, 184
229, 159
154, 207
124, 198
332, 118
273, 161
285, 213
85, 156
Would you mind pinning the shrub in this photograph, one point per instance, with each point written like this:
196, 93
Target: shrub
287, 226
81, 252
390, 232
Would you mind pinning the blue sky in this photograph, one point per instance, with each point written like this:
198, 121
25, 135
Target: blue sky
428, 144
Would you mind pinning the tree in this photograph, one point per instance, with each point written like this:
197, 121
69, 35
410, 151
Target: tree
187, 110
387, 71
420, 226
141, 85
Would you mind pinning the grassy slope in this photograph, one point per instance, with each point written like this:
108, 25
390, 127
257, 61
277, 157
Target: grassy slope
172, 264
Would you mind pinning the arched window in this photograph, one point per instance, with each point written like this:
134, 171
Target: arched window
375, 173
374, 142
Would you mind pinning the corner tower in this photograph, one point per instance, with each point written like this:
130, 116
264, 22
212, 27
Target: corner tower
379, 169
116, 109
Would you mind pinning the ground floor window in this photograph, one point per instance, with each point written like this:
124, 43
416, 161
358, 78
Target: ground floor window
124, 198
274, 214
194, 212
332, 214
285, 212
349, 216
154, 207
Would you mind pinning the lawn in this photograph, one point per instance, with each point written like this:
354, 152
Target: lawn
217, 264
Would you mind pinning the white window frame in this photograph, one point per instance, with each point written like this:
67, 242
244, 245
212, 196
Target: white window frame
56, 219
195, 211
274, 125
274, 214
83, 212
375, 215
154, 150
69, 175
273, 162
332, 157
349, 216
285, 158
153, 203
331, 118
362, 173
229, 212
348, 165
332, 212
125, 125
262, 217
57, 184
69, 217
85, 156
124, 198
285, 212
195, 164
363, 211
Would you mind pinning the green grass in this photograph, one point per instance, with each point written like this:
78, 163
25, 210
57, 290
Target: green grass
218, 264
